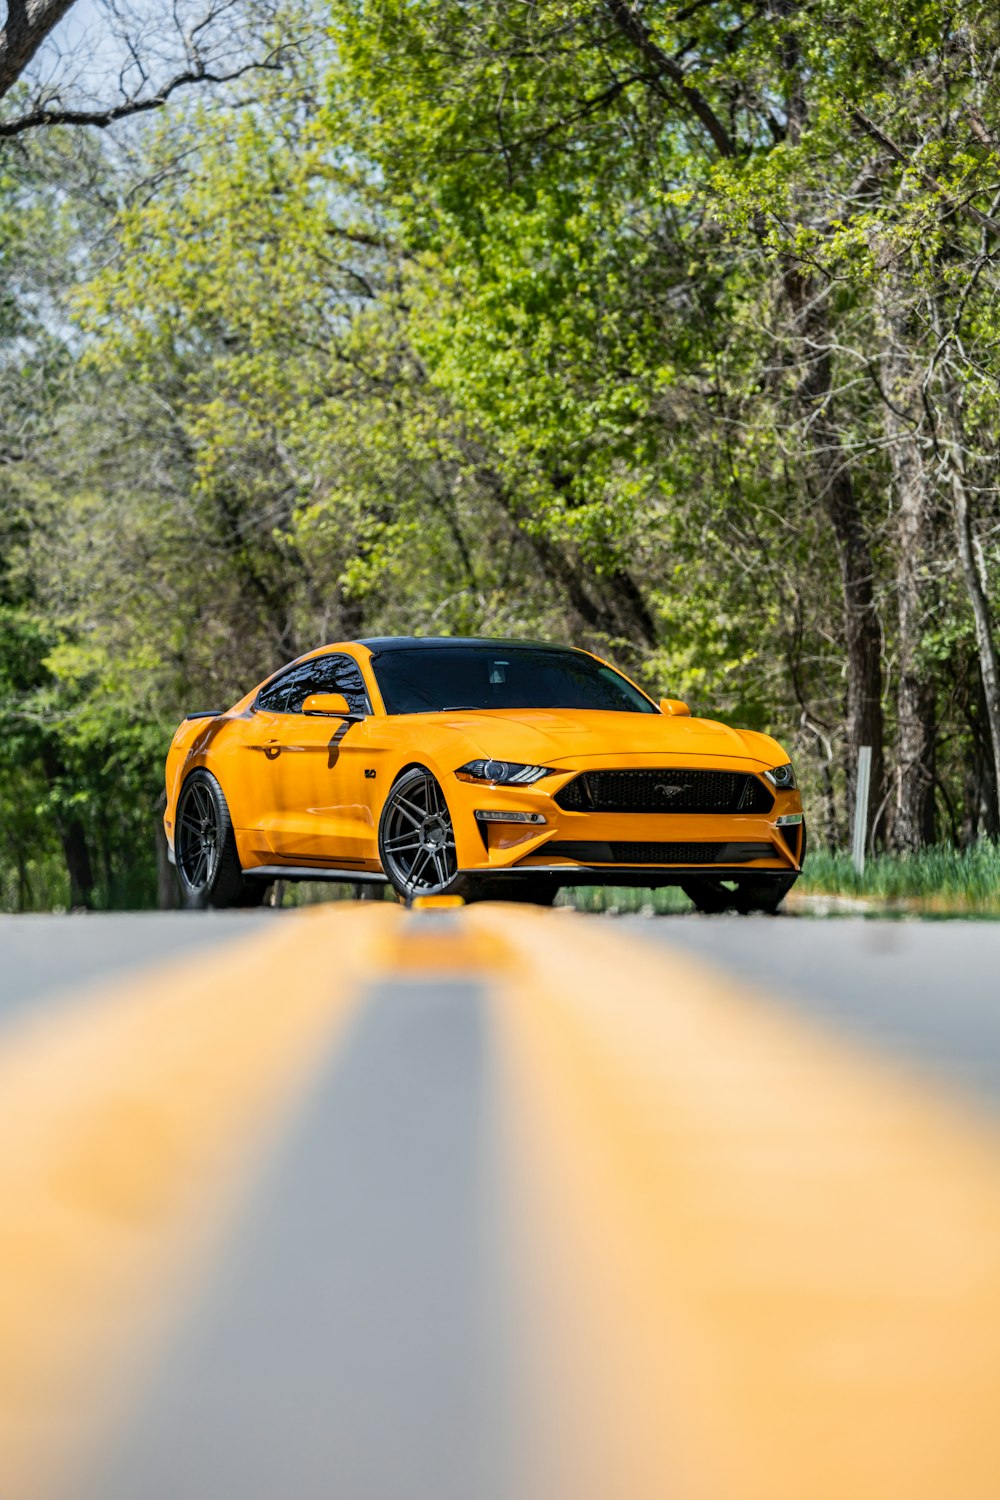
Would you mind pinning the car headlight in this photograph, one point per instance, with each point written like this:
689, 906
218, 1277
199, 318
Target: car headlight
782, 777
501, 772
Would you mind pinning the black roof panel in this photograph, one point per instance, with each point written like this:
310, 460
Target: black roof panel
377, 643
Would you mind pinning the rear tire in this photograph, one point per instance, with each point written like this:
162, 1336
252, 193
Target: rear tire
536, 891
709, 896
208, 864
761, 895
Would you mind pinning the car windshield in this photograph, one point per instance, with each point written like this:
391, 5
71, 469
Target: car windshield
423, 680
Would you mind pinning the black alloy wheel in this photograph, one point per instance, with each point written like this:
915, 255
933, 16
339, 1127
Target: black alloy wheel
416, 839
208, 865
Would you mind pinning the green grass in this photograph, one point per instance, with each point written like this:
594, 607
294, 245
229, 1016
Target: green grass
938, 879
624, 899
941, 879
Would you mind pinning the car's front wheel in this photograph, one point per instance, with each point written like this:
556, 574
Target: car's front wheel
208, 864
416, 837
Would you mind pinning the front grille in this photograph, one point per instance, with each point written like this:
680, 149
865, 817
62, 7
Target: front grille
592, 852
665, 792
666, 854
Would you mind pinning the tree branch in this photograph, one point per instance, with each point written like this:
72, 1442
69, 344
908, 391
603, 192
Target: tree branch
979, 130
954, 205
102, 118
633, 27
359, 237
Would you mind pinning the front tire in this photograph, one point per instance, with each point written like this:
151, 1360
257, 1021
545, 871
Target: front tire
416, 837
208, 865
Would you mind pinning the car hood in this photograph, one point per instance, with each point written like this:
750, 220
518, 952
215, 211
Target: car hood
553, 737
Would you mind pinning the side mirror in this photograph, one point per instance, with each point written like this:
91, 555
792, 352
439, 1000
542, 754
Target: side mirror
675, 707
330, 705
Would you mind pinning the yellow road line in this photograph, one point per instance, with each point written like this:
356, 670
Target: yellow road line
752, 1263
760, 1265
130, 1125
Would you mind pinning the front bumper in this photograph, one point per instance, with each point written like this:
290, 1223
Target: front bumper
646, 848
648, 877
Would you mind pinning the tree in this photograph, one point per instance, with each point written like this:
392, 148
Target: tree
667, 330
28, 24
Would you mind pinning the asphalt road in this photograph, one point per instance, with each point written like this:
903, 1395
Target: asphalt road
924, 993
53, 957
498, 1204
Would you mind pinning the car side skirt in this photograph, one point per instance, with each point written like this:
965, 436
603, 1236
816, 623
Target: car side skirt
647, 876
312, 872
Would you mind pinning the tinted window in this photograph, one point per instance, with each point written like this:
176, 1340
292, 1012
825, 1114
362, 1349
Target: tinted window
333, 673
423, 680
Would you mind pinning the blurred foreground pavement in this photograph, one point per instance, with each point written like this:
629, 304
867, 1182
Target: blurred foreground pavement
498, 1204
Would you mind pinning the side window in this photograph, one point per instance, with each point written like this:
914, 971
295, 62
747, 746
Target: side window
334, 673
275, 696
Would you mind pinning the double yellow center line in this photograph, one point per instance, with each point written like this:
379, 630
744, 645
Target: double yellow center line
745, 1261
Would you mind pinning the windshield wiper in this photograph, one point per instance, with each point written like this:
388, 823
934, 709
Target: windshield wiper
462, 708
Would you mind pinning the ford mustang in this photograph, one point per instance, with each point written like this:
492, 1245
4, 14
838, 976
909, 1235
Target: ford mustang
484, 768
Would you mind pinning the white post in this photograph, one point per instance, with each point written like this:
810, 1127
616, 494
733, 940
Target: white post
861, 807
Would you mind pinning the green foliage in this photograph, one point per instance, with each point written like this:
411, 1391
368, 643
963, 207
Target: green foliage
482, 318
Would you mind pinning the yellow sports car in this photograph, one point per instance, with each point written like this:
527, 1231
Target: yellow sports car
487, 768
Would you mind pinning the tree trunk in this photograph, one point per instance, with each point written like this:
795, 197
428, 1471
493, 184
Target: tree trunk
975, 587
76, 851
28, 24
911, 826
862, 629
977, 794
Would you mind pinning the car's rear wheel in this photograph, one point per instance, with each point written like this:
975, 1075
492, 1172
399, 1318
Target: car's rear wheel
762, 895
416, 837
538, 892
208, 864
709, 896
532, 890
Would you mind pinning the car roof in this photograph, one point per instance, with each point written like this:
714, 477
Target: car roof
376, 643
